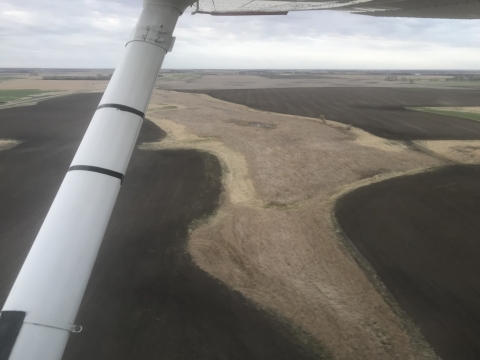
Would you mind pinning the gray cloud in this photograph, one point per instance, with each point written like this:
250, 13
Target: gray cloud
89, 33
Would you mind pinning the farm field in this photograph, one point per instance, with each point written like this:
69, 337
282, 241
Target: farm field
23, 88
420, 235
146, 298
272, 238
381, 112
224, 233
428, 268
275, 79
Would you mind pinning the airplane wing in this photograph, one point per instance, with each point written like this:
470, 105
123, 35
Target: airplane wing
441, 9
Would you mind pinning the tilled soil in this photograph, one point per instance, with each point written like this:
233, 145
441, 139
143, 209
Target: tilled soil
420, 234
380, 111
146, 299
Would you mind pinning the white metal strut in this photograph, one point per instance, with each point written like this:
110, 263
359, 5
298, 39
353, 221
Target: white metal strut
50, 286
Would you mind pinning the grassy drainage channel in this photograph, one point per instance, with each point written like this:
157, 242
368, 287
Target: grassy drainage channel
466, 113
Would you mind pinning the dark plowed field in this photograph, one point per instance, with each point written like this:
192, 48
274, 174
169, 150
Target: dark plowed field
421, 234
146, 299
380, 111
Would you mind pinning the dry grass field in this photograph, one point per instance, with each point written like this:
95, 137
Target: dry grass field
57, 85
273, 238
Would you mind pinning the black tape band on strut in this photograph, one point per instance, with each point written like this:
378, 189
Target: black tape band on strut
98, 170
123, 108
10, 324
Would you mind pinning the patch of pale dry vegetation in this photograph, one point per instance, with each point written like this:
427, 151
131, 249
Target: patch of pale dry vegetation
48, 85
273, 238
467, 152
6, 144
153, 108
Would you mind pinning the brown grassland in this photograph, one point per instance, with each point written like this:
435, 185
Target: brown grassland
273, 238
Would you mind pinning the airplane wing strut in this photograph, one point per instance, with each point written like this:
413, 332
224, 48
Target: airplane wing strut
49, 288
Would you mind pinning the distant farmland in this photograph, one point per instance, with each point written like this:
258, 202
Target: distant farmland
98, 77
380, 111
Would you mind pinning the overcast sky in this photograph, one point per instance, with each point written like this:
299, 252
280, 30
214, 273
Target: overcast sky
92, 34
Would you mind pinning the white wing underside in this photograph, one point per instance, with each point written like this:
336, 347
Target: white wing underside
443, 9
